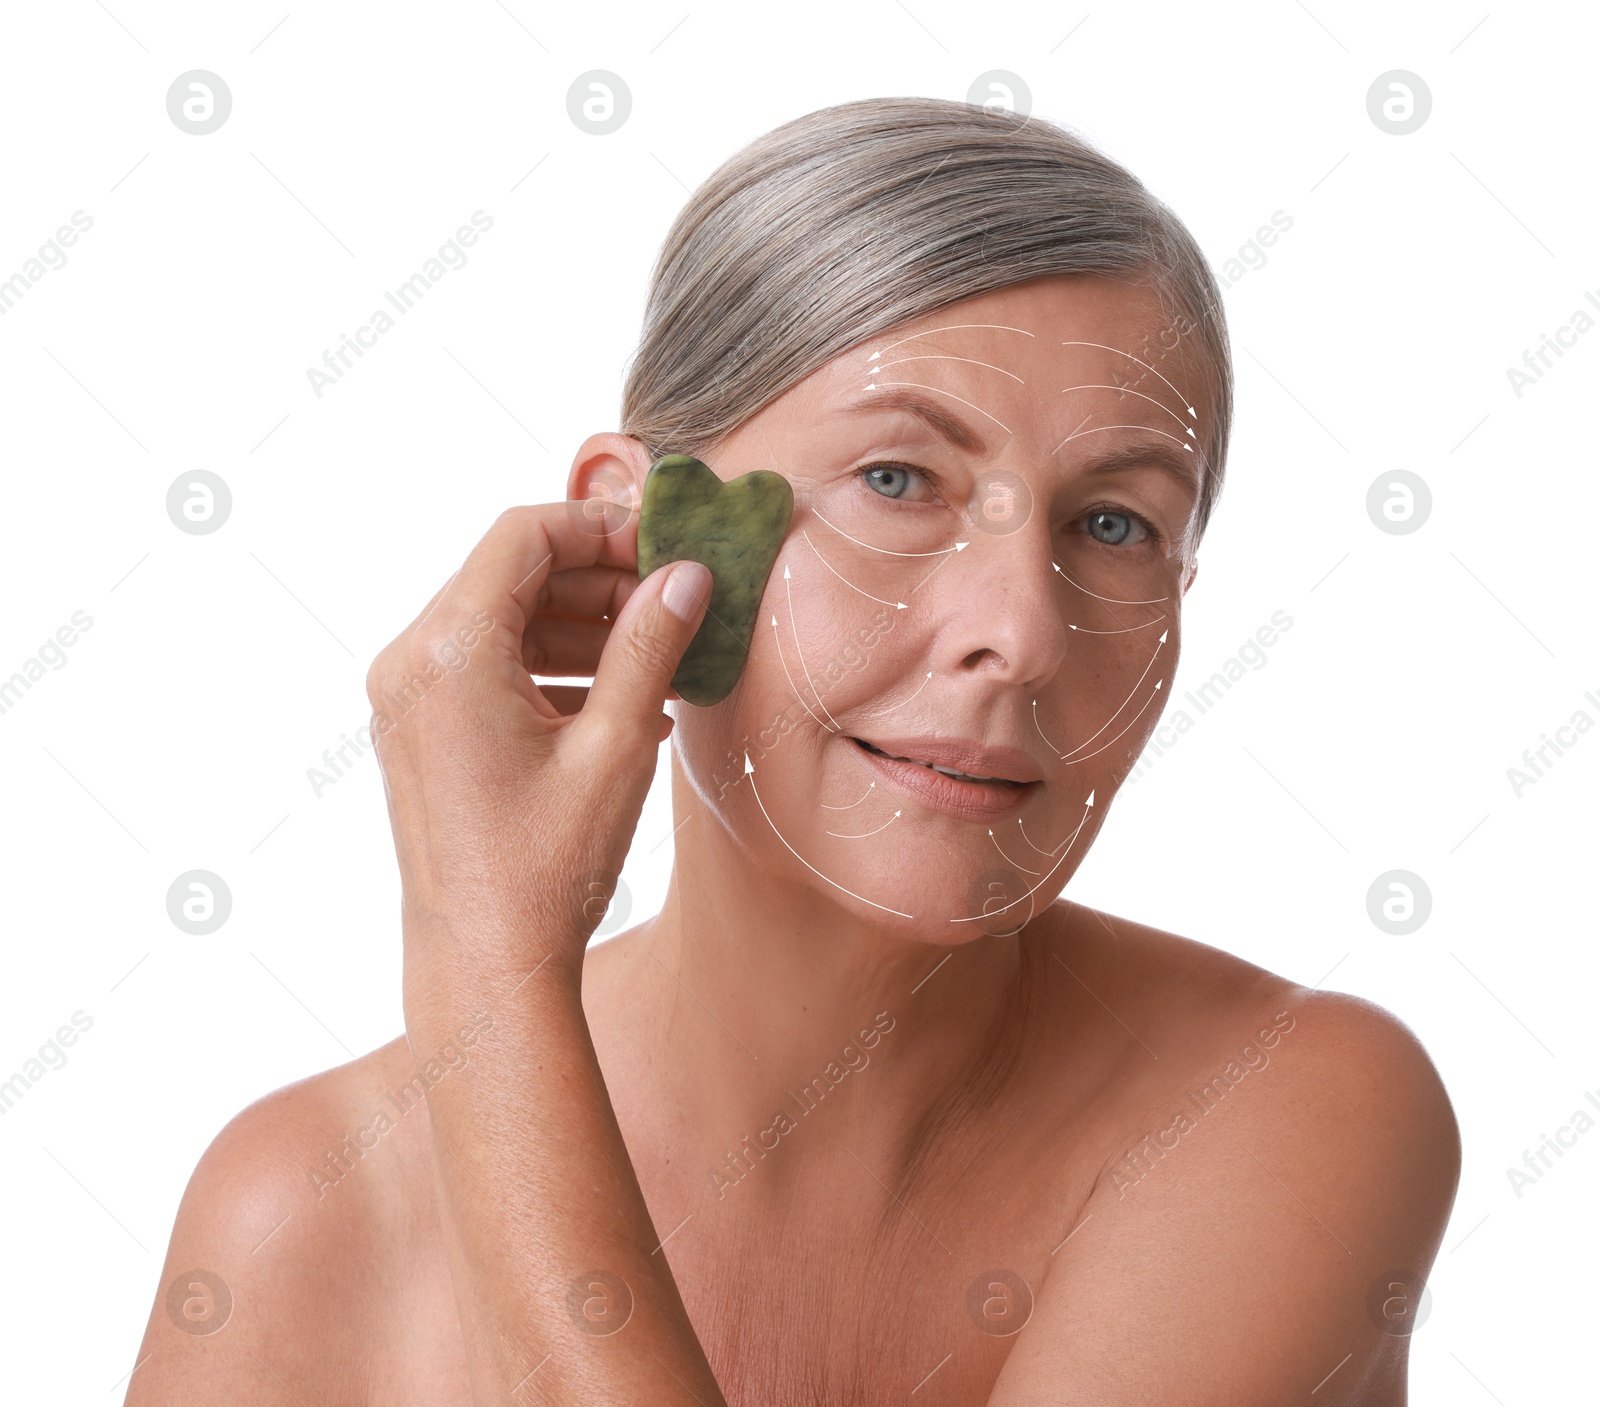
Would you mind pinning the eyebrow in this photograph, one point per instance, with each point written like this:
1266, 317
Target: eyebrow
1144, 454
941, 420
1137, 454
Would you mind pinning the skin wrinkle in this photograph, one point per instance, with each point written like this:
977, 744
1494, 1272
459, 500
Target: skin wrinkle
847, 1265
805, 1294
981, 1086
954, 431
1185, 543
1119, 614
1189, 542
959, 434
776, 956
947, 356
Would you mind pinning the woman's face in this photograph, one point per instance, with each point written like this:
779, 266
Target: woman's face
983, 571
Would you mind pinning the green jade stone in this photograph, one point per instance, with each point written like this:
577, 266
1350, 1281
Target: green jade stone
735, 529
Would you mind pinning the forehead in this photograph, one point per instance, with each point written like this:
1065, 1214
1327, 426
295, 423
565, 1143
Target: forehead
1027, 320
1033, 341
1044, 368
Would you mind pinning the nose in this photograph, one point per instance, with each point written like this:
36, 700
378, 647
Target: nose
1001, 608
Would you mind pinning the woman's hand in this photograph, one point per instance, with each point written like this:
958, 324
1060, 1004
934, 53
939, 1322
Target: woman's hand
513, 806
512, 809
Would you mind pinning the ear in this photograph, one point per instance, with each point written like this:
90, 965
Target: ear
610, 466
1188, 580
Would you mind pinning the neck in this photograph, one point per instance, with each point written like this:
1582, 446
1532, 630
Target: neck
769, 994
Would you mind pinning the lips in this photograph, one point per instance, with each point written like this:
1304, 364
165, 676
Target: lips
969, 760
986, 782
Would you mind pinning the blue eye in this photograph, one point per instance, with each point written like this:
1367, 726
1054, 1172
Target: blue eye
1116, 529
891, 480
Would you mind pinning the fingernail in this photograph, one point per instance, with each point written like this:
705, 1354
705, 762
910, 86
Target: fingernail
688, 584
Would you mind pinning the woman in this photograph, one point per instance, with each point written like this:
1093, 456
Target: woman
867, 1113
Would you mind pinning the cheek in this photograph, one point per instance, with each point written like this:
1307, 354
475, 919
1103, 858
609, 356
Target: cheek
863, 552
818, 634
805, 650
827, 645
1113, 594
1112, 692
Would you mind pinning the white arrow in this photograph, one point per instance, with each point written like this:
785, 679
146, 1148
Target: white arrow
898, 605
953, 327
749, 771
1031, 845
1112, 600
865, 834
1143, 625
941, 391
887, 551
1130, 356
1096, 386
852, 806
903, 702
1095, 429
1085, 743
944, 357
1007, 858
1053, 748
778, 644
788, 587
973, 918
933, 569
1073, 762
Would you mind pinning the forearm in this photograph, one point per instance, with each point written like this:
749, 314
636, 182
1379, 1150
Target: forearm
556, 1263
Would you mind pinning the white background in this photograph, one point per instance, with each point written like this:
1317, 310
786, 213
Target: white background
177, 736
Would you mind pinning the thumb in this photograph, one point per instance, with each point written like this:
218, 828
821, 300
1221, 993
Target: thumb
644, 649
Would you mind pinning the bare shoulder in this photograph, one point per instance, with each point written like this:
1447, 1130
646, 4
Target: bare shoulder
1190, 995
1291, 1150
304, 1235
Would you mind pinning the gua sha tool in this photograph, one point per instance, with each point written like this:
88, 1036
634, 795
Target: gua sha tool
733, 528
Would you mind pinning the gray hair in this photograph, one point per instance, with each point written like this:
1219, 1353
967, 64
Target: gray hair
855, 219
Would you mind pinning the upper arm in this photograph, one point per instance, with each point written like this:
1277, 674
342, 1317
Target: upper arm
233, 1317
1248, 1256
